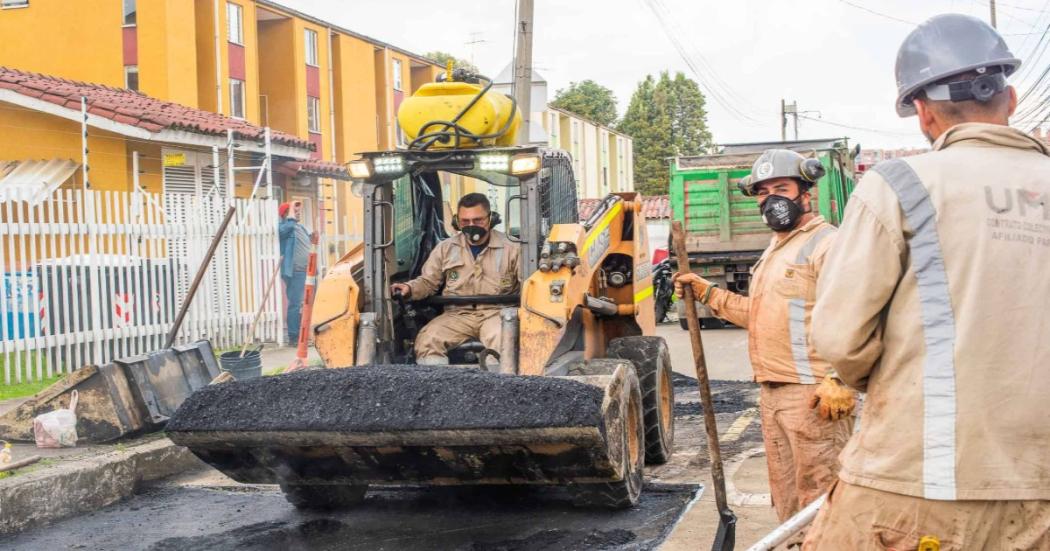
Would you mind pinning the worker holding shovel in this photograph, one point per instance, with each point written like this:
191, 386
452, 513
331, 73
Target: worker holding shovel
806, 412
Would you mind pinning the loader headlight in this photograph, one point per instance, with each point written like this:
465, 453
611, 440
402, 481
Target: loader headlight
389, 164
524, 164
494, 162
361, 170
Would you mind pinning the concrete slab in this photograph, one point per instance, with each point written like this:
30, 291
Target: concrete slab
60, 487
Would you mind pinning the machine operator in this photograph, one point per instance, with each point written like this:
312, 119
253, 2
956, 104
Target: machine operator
476, 261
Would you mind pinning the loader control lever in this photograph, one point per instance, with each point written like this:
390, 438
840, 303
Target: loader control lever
408, 313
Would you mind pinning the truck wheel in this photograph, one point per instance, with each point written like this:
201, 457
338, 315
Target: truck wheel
323, 497
622, 493
652, 364
712, 323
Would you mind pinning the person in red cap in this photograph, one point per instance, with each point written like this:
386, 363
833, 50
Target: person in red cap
295, 253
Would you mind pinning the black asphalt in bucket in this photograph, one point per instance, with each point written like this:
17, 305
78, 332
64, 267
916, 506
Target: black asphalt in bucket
247, 367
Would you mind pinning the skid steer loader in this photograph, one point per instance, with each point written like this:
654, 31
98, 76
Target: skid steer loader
581, 396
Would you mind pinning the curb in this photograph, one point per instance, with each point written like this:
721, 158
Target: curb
735, 497
87, 484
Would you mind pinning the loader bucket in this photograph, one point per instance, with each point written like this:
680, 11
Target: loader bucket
411, 425
127, 397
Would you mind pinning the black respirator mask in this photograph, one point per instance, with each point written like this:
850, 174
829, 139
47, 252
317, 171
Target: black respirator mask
781, 213
475, 234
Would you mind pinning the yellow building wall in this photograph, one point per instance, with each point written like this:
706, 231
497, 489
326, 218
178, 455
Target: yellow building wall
356, 117
26, 135
76, 40
167, 50
204, 17
279, 77
384, 98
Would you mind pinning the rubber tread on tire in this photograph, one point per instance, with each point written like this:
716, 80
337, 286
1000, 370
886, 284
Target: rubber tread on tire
652, 364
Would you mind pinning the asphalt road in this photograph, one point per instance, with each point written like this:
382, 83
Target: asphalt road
206, 510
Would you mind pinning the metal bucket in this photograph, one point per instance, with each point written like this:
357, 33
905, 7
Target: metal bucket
248, 367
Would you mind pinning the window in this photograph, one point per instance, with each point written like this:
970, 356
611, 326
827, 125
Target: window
129, 12
14, 3
234, 23
313, 114
397, 74
236, 98
311, 47
131, 77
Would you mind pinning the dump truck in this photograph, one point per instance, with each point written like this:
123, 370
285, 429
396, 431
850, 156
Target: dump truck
725, 231
581, 395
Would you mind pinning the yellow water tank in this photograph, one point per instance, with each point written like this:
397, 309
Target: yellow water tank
442, 101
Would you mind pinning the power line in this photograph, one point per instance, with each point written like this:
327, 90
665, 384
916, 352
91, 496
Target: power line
861, 128
878, 13
712, 90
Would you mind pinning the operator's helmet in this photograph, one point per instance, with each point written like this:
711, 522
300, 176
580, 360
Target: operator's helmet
947, 45
781, 163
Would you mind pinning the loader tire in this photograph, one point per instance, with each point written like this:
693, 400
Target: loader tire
323, 497
652, 363
622, 493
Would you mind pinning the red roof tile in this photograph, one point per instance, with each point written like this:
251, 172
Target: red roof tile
657, 207
136, 109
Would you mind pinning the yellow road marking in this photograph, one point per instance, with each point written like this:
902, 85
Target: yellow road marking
606, 220
740, 425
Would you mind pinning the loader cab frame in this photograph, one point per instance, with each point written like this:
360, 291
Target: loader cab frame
531, 176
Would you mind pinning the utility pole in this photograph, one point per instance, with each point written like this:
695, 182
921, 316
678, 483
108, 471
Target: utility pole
523, 66
475, 39
991, 4
785, 110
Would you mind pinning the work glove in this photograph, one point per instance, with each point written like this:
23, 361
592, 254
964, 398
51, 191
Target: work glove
835, 400
699, 284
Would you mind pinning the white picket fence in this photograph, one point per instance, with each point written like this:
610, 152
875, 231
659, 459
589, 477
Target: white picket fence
90, 276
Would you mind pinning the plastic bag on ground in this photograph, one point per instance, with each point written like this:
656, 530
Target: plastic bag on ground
57, 429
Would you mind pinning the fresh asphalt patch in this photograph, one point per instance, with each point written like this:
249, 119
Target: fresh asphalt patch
166, 518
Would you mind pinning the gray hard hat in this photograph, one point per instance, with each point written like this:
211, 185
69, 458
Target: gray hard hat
947, 45
781, 163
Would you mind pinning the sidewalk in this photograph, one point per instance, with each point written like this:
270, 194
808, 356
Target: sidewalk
276, 358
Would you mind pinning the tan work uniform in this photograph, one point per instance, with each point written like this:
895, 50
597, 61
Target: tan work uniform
801, 447
493, 272
937, 301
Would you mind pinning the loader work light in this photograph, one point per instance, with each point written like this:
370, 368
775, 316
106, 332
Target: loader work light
494, 162
389, 164
525, 164
361, 170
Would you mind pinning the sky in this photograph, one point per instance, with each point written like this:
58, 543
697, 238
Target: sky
835, 58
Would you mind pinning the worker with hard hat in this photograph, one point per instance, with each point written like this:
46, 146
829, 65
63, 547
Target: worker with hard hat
476, 261
934, 300
806, 412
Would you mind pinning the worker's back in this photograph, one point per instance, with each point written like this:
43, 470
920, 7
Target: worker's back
956, 406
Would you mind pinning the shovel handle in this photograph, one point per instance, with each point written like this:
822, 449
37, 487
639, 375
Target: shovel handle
173, 333
262, 305
693, 323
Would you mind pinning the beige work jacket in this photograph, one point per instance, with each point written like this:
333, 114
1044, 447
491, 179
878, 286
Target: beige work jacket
777, 313
936, 299
493, 272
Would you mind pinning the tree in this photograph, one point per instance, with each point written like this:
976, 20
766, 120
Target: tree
665, 117
589, 100
443, 57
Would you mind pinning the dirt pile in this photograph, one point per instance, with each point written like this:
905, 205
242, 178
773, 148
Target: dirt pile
383, 398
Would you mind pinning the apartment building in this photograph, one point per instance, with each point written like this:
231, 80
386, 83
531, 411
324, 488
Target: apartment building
251, 60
